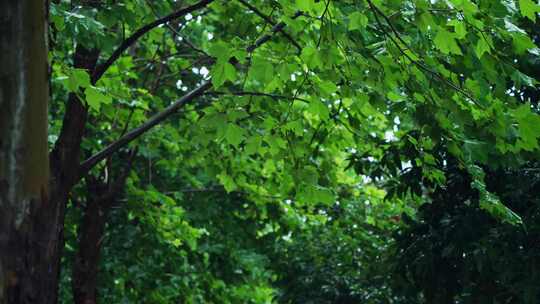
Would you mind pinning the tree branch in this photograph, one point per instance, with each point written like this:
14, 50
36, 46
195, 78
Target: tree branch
277, 28
175, 32
219, 188
102, 68
65, 154
88, 164
271, 22
419, 64
153, 121
244, 93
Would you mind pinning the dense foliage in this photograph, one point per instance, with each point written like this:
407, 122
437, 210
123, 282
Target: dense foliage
297, 151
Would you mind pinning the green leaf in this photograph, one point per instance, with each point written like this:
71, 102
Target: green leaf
315, 194
239, 54
328, 87
269, 167
489, 201
393, 96
529, 127
459, 28
482, 47
522, 42
324, 195
308, 175
234, 134
227, 181
311, 56
261, 70
446, 42
357, 21
253, 145
475, 151
521, 79
94, 98
77, 78
529, 9
56, 17
318, 108
304, 5
221, 72
220, 50
466, 5
275, 144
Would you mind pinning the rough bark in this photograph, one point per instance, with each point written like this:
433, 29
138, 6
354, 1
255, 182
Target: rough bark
101, 195
32, 202
64, 165
27, 238
85, 268
66, 153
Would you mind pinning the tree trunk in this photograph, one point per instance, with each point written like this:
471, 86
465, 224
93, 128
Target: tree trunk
28, 219
101, 195
85, 267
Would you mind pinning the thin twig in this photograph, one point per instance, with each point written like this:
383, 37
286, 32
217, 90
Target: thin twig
152, 122
102, 68
219, 189
277, 28
271, 22
161, 116
244, 93
422, 66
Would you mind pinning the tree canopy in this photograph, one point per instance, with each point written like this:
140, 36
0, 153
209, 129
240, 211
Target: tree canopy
292, 151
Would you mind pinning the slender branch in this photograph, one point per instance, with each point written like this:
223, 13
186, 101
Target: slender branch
175, 32
220, 188
120, 182
152, 122
161, 116
271, 22
102, 68
244, 93
421, 65
322, 23
277, 28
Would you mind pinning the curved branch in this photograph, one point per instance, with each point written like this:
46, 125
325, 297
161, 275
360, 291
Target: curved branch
161, 116
152, 122
271, 22
277, 28
102, 68
245, 93
419, 64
